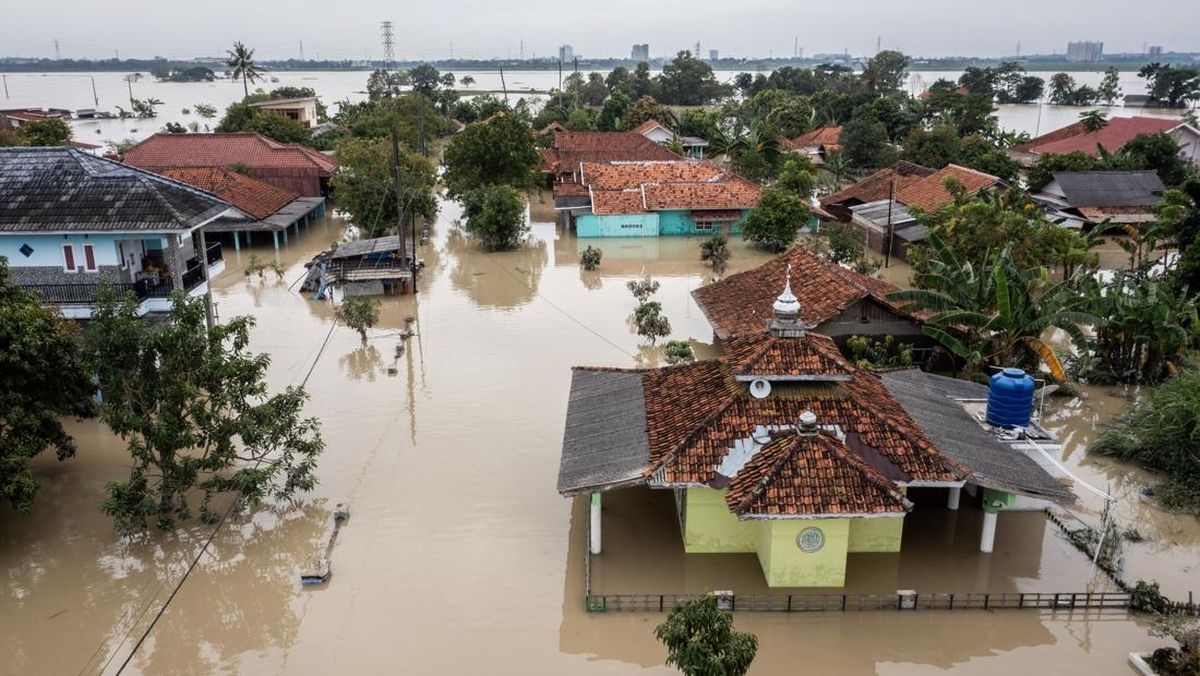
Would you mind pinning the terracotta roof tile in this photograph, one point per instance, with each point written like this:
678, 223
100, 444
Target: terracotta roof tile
679, 184
571, 148
1115, 134
255, 197
930, 193
797, 475
255, 151
740, 304
878, 186
821, 136
765, 356
649, 125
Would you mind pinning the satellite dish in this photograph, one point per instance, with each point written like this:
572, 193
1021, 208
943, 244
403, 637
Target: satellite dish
759, 389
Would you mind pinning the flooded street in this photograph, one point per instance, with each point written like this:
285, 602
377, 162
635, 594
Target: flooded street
459, 556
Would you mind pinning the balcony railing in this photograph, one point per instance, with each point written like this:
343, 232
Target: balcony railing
87, 293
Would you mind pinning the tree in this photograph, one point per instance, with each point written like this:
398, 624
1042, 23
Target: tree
935, 147
1171, 86
995, 314
715, 251
700, 640
1109, 91
837, 165
366, 186
649, 321
581, 119
1160, 153
679, 352
1062, 89
865, 143
360, 313
50, 131
774, 223
496, 217
194, 408
642, 289
646, 108
144, 108
493, 152
425, 79
205, 110
983, 155
382, 84
612, 115
279, 128
44, 380
589, 259
1094, 120
885, 72
688, 81
241, 61
467, 81
1043, 170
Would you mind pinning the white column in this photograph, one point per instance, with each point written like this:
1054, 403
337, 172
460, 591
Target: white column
988, 538
952, 498
595, 529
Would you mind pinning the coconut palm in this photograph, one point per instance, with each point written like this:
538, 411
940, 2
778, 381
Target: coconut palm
995, 315
241, 61
838, 168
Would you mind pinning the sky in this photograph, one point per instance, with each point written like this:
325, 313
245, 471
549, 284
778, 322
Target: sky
438, 29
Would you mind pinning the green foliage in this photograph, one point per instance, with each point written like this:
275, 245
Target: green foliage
1159, 153
414, 117
496, 217
1147, 597
647, 108
967, 113
715, 251
1006, 83
688, 81
797, 177
241, 63
51, 131
590, 257
844, 247
981, 154
876, 354
774, 223
679, 352
383, 84
205, 110
194, 408
581, 119
193, 74
885, 72
612, 114
865, 143
144, 108
1163, 435
649, 321
366, 187
1171, 86
498, 151
44, 380
360, 313
242, 117
934, 148
1109, 92
642, 289
1042, 172
700, 640
994, 312
1094, 120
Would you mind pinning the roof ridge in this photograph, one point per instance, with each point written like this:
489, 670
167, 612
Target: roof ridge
769, 474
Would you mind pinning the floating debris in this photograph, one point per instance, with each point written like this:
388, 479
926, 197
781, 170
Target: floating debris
322, 566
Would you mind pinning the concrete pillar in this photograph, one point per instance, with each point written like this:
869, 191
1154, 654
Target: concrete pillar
595, 529
952, 498
237, 241
988, 538
202, 256
175, 261
285, 236
275, 235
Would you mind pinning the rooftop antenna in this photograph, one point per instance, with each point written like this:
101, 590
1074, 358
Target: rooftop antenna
388, 33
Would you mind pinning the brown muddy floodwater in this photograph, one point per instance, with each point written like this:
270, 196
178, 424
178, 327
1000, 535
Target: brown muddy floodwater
459, 556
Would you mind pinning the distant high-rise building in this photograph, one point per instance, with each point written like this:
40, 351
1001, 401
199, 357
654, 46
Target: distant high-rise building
714, 55
566, 53
1085, 52
1155, 50
640, 52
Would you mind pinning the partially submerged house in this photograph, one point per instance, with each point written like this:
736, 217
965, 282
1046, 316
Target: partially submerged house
888, 223
288, 166
834, 301
71, 222
1113, 136
693, 146
878, 186
571, 149
302, 109
362, 267
648, 199
258, 206
1084, 199
817, 144
785, 449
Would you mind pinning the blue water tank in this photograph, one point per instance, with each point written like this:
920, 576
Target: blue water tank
1010, 398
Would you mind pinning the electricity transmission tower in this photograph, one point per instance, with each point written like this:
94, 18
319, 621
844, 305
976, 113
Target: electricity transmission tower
388, 34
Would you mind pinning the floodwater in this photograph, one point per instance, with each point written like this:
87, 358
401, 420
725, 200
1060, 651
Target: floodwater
75, 91
459, 555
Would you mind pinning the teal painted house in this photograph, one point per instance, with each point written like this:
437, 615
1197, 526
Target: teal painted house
648, 199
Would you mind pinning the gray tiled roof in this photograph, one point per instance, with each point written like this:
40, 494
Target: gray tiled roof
64, 189
930, 401
1110, 188
605, 444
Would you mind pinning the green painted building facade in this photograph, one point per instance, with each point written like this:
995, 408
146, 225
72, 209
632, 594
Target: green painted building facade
792, 552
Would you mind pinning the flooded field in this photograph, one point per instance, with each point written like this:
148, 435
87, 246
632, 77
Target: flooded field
459, 556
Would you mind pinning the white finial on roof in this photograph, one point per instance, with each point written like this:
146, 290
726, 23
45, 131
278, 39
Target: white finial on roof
786, 305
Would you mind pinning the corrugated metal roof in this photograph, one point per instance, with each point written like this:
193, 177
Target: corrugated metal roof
1110, 188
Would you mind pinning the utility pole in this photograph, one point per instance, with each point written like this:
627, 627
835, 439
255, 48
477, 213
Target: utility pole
301, 49
129, 83
5, 77
57, 53
504, 87
399, 194
95, 96
887, 255
522, 50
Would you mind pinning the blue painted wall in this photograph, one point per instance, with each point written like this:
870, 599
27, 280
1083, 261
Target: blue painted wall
644, 225
47, 249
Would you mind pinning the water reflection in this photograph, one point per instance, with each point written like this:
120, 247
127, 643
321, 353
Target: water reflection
502, 280
365, 362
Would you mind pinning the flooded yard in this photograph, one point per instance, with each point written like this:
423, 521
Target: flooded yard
459, 556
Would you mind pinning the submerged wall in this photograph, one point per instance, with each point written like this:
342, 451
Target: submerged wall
786, 564
882, 534
710, 528
650, 224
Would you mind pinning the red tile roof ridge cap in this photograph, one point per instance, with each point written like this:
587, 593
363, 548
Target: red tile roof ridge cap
712, 417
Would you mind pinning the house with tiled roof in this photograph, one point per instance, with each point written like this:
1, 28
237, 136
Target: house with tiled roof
889, 222
1084, 199
257, 205
648, 199
878, 186
784, 449
817, 144
693, 146
836, 301
289, 166
571, 149
1113, 136
71, 223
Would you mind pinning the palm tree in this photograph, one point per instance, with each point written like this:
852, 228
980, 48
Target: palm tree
838, 168
241, 60
995, 315
1094, 120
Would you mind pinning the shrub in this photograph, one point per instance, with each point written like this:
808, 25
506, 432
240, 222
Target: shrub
649, 321
715, 250
590, 258
679, 352
359, 313
496, 217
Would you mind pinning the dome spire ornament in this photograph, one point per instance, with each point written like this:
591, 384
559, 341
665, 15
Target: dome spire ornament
786, 322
